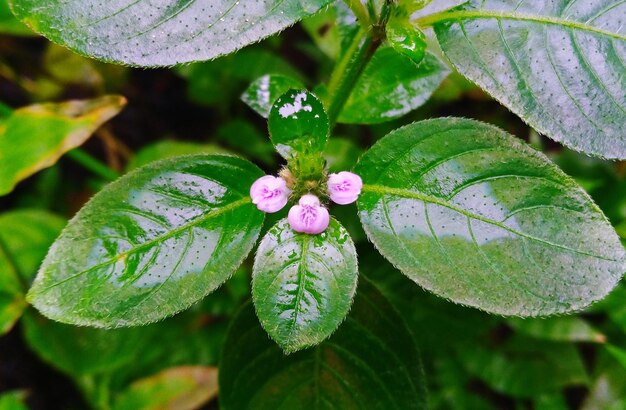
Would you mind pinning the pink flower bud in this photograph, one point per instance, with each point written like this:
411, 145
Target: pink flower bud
309, 216
344, 187
269, 193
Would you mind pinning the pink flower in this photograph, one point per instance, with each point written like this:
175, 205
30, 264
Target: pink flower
344, 187
269, 193
308, 216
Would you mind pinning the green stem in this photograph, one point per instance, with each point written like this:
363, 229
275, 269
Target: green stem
359, 11
352, 63
92, 164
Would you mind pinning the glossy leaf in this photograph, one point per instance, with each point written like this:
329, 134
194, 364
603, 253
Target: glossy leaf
558, 329
298, 124
525, 368
406, 39
303, 285
152, 243
167, 149
171, 32
35, 137
264, 91
180, 388
559, 64
371, 362
392, 85
473, 215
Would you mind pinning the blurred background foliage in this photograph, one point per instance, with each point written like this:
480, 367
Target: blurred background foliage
472, 360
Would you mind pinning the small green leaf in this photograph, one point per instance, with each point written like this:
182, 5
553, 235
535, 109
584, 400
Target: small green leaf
264, 91
406, 39
392, 85
167, 149
474, 215
370, 362
303, 285
558, 65
35, 137
13, 400
152, 243
298, 124
526, 368
180, 388
558, 329
146, 34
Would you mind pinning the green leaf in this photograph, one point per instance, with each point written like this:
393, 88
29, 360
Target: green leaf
264, 91
13, 400
392, 85
558, 329
25, 236
303, 285
152, 243
9, 24
180, 388
370, 362
172, 32
35, 137
406, 39
298, 124
167, 149
474, 215
526, 368
557, 65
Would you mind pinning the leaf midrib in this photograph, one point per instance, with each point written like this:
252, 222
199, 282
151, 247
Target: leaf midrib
158, 239
480, 14
405, 193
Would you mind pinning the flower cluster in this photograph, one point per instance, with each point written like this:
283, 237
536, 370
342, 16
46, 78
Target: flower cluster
270, 194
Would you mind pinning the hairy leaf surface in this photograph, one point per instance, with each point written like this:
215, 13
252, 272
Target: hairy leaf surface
152, 243
371, 362
558, 64
303, 284
474, 215
163, 32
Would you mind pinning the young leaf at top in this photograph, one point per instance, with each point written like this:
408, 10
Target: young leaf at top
371, 362
559, 65
35, 137
474, 215
151, 244
392, 85
298, 124
303, 285
145, 33
263, 92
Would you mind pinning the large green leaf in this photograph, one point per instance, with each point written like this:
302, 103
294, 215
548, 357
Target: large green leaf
152, 243
145, 33
371, 362
474, 215
559, 65
303, 284
392, 85
35, 137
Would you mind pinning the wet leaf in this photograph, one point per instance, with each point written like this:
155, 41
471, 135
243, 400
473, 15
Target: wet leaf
474, 215
303, 285
264, 91
558, 65
370, 362
152, 243
406, 39
180, 388
298, 124
171, 32
35, 137
392, 85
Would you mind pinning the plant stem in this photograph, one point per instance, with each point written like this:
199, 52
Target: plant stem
359, 11
352, 63
92, 164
